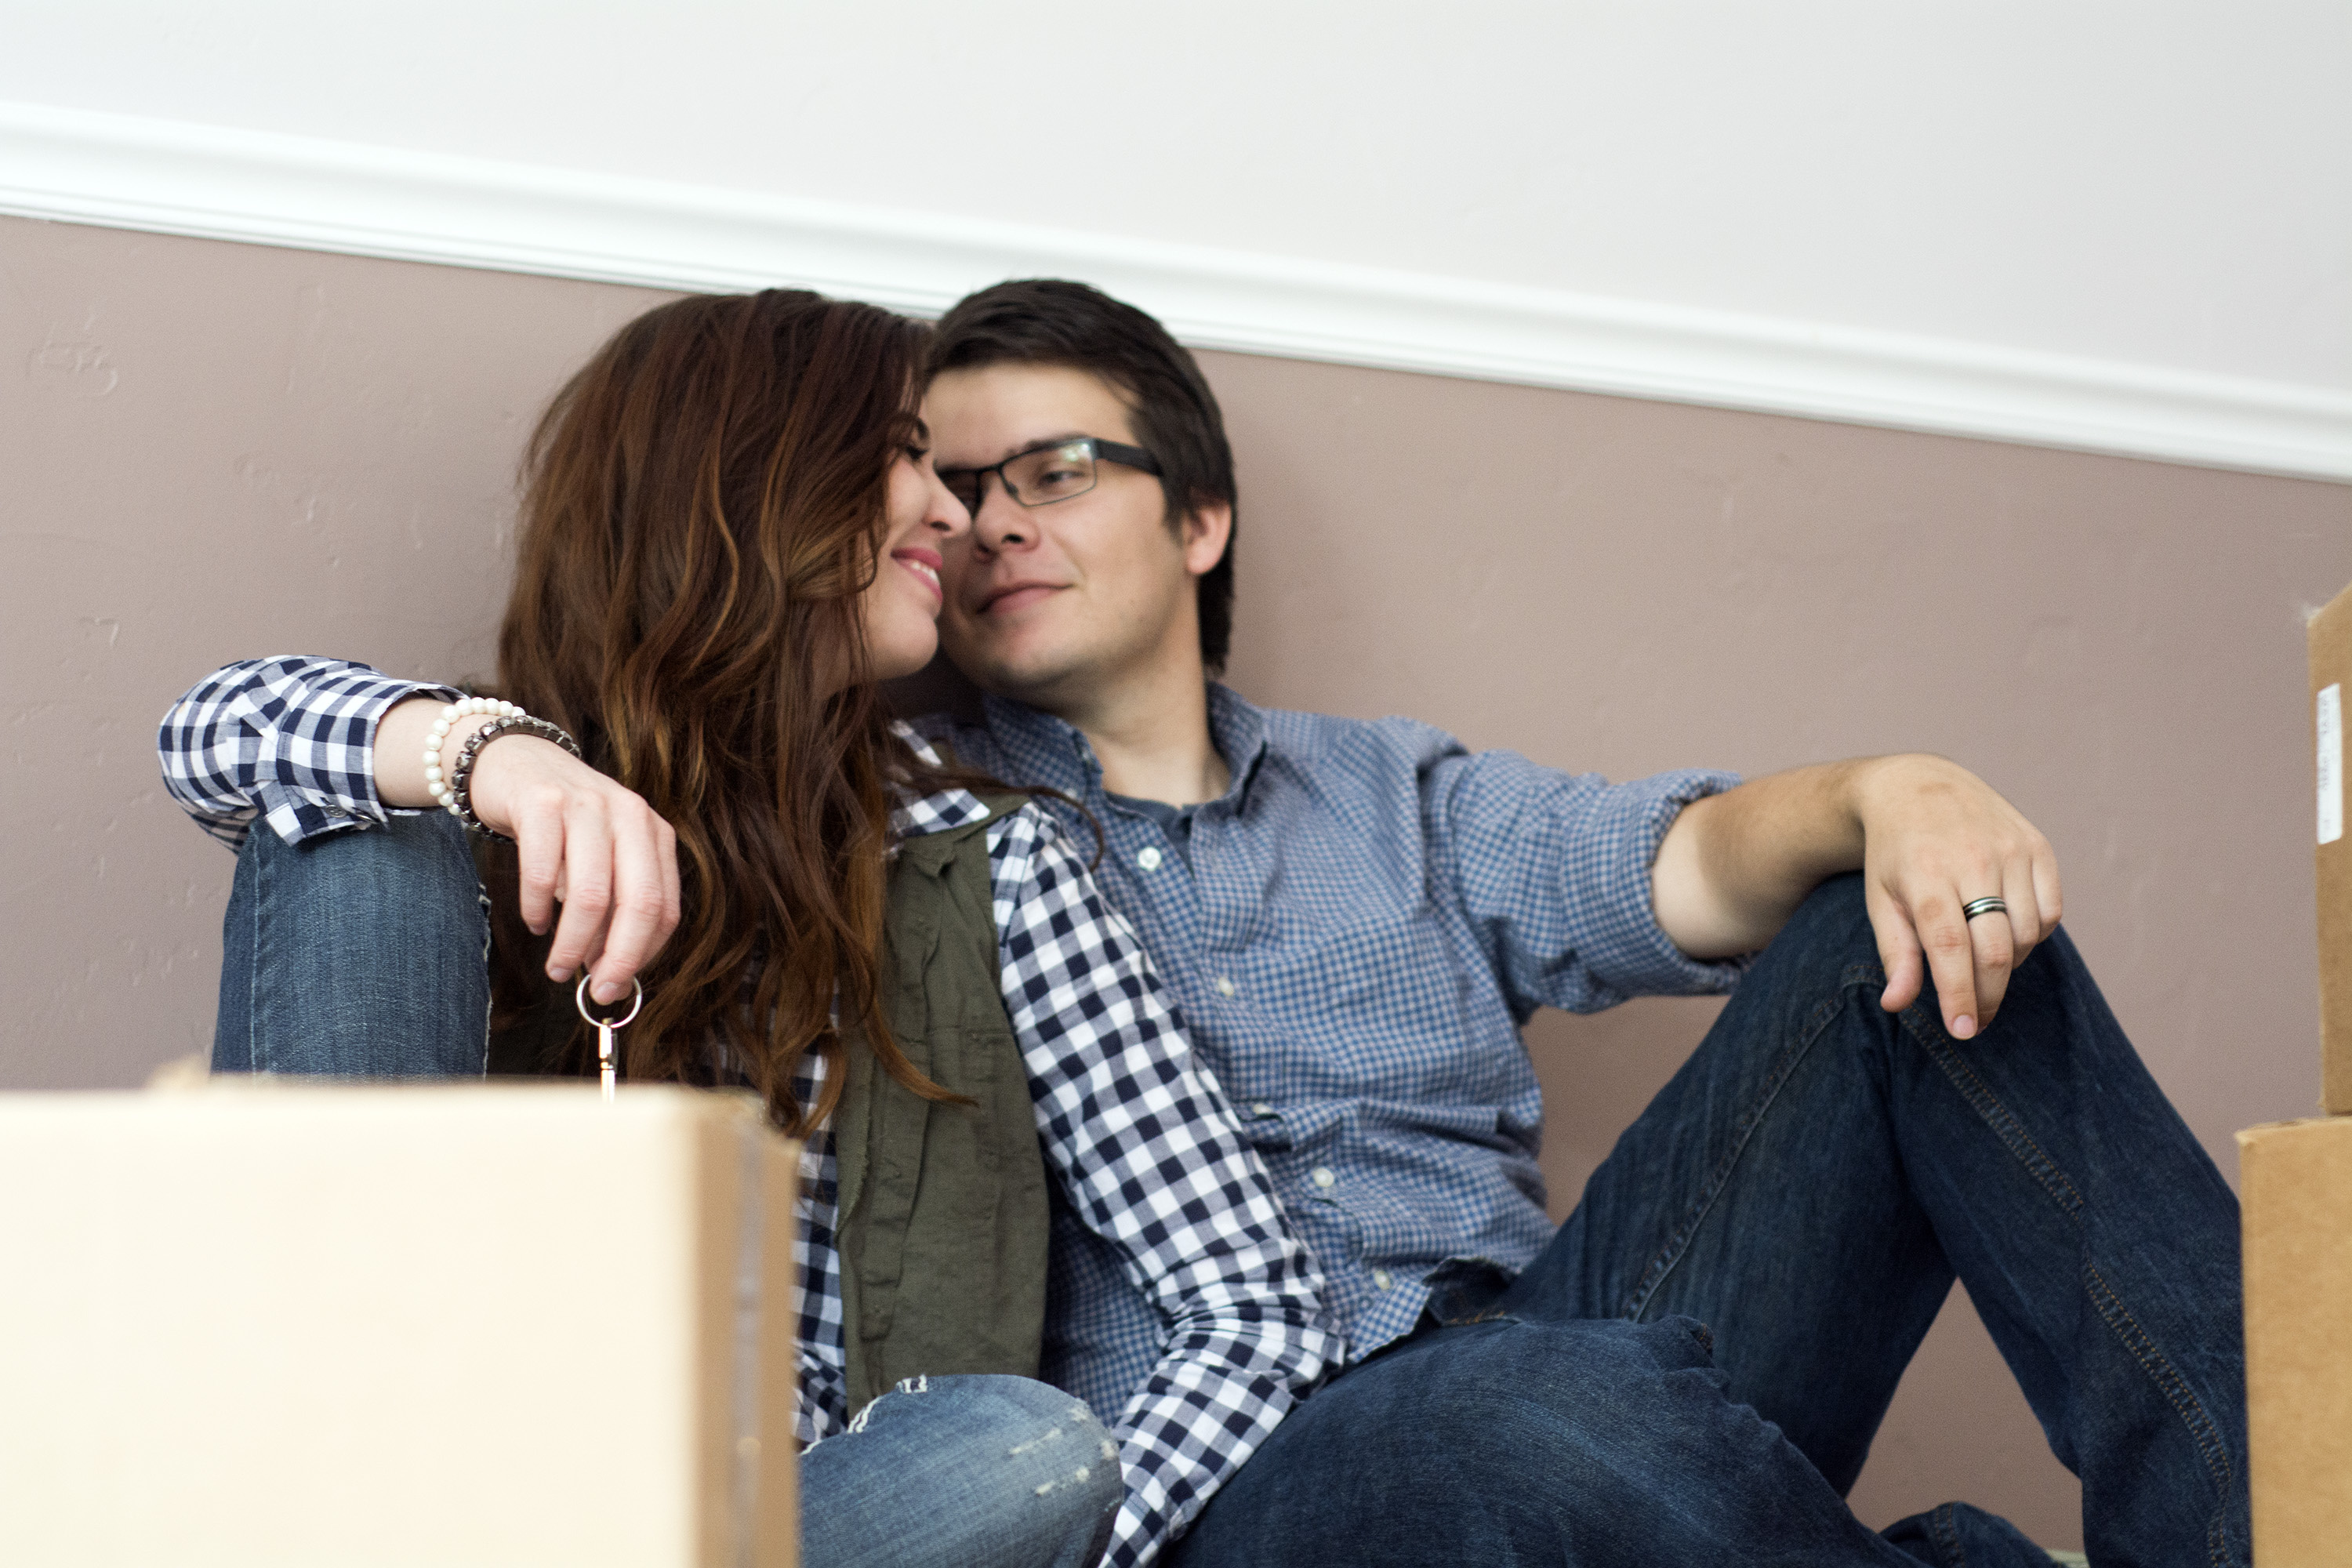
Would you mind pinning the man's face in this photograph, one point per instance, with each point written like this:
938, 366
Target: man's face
1055, 605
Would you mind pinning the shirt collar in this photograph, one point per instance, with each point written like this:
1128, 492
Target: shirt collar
1056, 753
913, 816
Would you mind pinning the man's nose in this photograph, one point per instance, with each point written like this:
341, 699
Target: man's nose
1000, 522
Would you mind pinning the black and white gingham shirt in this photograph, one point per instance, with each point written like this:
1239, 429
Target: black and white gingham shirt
1148, 1154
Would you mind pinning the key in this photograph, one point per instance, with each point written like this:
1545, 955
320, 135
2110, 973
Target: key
608, 1060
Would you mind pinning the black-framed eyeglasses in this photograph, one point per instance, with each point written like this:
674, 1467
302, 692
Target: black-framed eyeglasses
1056, 470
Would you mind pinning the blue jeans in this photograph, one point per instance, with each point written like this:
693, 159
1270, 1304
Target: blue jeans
362, 954
1692, 1372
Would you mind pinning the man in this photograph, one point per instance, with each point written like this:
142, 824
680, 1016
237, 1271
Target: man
1914, 1075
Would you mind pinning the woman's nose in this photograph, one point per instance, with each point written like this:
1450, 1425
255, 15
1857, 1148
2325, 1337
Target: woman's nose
948, 517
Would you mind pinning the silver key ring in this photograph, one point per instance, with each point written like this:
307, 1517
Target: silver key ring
607, 1061
579, 1000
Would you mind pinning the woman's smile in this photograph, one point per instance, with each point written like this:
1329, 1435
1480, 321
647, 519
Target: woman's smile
925, 564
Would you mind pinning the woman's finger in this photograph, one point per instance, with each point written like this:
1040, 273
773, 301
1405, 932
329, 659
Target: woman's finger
539, 853
588, 887
639, 903
675, 909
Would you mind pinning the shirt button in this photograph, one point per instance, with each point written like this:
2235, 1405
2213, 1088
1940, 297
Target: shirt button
1260, 1108
1380, 1278
1224, 986
1322, 1177
1149, 859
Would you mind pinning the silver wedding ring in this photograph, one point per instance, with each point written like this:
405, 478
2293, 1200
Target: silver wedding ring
1988, 906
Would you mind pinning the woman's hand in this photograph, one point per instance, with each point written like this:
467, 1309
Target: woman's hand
582, 841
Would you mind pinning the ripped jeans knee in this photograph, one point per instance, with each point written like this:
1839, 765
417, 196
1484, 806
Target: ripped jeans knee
974, 1470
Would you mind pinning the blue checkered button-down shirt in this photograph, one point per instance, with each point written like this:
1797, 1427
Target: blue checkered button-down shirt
1358, 927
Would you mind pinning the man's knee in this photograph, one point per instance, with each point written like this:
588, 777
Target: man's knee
1521, 1401
1835, 919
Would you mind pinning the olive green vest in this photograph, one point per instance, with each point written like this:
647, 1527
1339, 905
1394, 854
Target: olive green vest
941, 1218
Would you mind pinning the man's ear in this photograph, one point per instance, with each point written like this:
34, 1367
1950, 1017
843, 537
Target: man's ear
1206, 531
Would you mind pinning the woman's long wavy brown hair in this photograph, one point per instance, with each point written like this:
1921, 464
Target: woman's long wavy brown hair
703, 505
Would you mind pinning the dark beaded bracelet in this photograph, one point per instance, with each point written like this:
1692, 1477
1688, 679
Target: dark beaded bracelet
461, 774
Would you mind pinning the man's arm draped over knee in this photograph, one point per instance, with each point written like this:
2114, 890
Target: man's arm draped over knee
1929, 837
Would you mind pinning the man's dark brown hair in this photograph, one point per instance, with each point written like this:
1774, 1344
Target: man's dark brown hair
1046, 320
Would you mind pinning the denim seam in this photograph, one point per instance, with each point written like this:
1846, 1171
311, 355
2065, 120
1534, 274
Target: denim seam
1942, 1526
2001, 1119
253, 969
2160, 1371
489, 998
1654, 1277
2137, 1341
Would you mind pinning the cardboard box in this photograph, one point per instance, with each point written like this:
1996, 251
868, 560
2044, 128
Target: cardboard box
2295, 1184
2331, 684
446, 1325
2295, 1179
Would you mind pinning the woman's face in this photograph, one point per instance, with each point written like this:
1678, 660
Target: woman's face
902, 604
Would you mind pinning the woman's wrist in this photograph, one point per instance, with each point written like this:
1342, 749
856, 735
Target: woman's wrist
399, 750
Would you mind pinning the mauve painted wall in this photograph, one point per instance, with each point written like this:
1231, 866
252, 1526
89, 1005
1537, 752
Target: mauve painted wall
215, 450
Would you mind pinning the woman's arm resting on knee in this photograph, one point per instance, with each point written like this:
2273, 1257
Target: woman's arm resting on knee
584, 841
1929, 837
303, 746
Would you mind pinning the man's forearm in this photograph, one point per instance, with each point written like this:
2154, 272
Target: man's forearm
1735, 865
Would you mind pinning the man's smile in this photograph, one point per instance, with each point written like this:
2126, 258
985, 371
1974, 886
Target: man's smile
1008, 598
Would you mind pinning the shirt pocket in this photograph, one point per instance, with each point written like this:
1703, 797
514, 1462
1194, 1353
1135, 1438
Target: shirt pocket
1396, 972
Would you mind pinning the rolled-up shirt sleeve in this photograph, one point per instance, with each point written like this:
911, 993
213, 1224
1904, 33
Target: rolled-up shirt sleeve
1553, 870
288, 740
1152, 1160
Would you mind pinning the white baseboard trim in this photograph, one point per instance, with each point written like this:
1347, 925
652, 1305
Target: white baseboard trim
130, 172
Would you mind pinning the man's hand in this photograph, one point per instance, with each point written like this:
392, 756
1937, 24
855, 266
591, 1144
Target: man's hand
1935, 837
582, 841
1928, 836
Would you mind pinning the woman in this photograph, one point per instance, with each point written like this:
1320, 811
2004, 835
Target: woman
731, 533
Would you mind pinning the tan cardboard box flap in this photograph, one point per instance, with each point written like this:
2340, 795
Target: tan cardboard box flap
2297, 1182
360, 1326
2331, 683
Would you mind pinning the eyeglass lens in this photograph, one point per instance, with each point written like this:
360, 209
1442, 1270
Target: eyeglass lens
1036, 479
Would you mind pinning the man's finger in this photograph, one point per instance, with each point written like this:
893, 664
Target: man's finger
2024, 910
1952, 959
588, 890
1898, 949
1993, 941
2046, 894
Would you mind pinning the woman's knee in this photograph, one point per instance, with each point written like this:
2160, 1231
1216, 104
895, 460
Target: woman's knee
965, 1470
360, 954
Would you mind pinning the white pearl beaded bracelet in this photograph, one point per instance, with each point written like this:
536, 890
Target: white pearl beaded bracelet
464, 707
449, 787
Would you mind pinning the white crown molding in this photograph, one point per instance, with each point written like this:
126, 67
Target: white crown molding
176, 178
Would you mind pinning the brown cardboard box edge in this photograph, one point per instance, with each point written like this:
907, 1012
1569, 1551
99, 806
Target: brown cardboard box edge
2295, 1191
2331, 665
2297, 1178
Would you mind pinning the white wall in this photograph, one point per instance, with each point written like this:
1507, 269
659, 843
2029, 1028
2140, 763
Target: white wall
2156, 183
